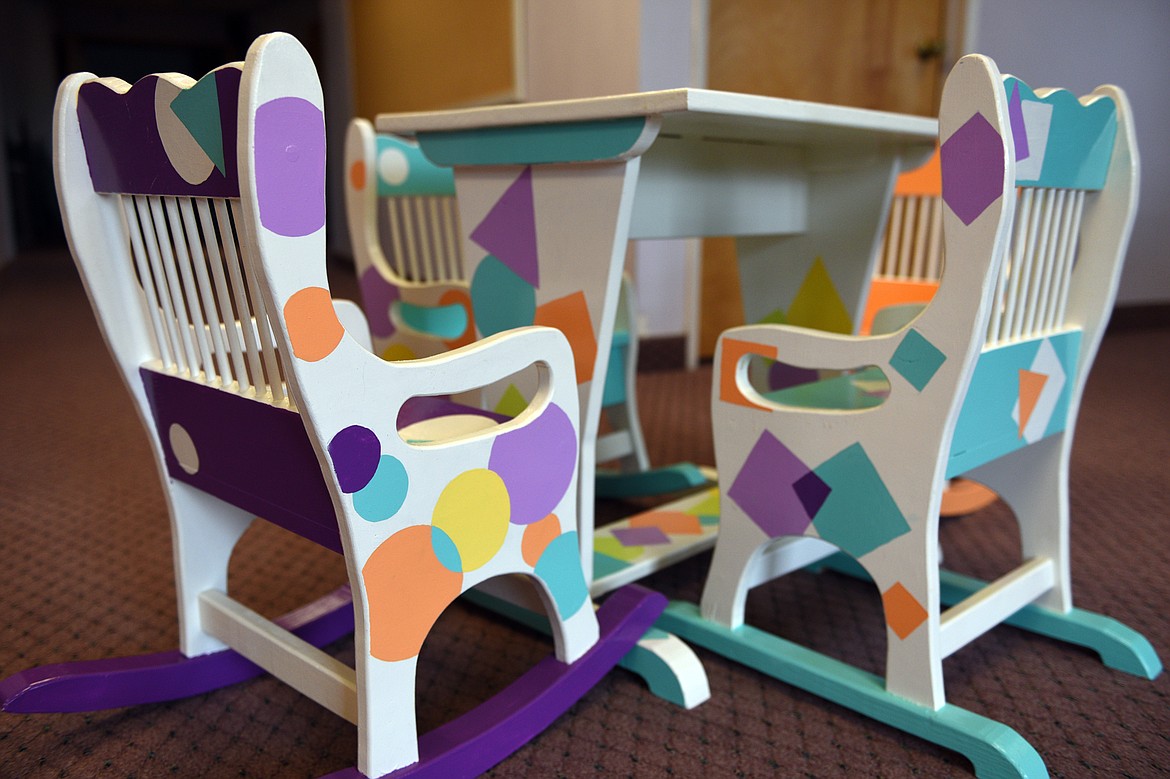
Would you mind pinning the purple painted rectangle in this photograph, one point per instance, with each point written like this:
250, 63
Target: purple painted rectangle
251, 454
641, 536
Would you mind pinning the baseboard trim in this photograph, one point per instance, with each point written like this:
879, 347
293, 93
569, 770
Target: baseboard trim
1139, 317
662, 353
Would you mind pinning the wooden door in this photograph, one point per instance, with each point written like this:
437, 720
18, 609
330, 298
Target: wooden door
881, 54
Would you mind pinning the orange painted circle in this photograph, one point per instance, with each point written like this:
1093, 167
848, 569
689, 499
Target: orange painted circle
312, 324
357, 175
407, 589
537, 537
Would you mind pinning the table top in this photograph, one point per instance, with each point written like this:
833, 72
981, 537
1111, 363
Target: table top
689, 112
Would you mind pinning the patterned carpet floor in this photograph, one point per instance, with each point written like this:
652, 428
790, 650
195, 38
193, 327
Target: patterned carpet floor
86, 561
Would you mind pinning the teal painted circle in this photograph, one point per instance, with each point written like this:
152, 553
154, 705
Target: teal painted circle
446, 551
385, 493
500, 299
559, 567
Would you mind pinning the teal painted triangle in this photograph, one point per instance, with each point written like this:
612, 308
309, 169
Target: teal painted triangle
198, 109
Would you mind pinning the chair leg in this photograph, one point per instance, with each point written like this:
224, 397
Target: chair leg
726, 588
387, 728
204, 532
621, 418
906, 575
1033, 481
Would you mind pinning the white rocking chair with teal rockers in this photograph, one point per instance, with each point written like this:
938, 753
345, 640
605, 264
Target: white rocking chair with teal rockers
1039, 193
195, 211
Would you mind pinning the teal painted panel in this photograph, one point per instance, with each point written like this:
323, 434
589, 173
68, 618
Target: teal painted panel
403, 170
985, 429
615, 375
1060, 142
534, 144
447, 322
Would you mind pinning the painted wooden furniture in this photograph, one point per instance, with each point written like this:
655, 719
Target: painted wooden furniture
405, 233
985, 381
550, 193
195, 211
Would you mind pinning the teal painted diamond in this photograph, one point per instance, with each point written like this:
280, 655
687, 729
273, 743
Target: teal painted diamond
859, 514
917, 359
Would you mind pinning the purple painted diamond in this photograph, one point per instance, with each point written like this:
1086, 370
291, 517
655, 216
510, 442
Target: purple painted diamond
774, 489
972, 168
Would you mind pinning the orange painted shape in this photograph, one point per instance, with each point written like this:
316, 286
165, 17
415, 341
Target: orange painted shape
1031, 385
670, 522
312, 323
570, 315
733, 351
407, 589
357, 175
450, 297
903, 611
924, 181
893, 292
537, 536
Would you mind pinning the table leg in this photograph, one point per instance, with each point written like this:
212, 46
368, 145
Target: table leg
820, 278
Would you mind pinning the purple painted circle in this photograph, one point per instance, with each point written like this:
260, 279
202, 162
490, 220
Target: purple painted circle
290, 166
537, 463
354, 452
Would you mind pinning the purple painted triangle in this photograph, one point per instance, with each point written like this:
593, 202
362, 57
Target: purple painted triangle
509, 230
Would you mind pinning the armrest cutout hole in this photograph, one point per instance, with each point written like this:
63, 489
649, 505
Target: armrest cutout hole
781, 384
428, 420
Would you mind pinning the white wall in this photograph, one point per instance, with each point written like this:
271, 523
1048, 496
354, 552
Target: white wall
1079, 44
671, 54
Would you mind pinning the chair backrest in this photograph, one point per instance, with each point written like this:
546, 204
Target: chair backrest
1076, 173
407, 205
404, 228
148, 180
911, 255
180, 280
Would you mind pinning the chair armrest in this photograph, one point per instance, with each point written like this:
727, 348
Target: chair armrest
796, 346
805, 348
497, 357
